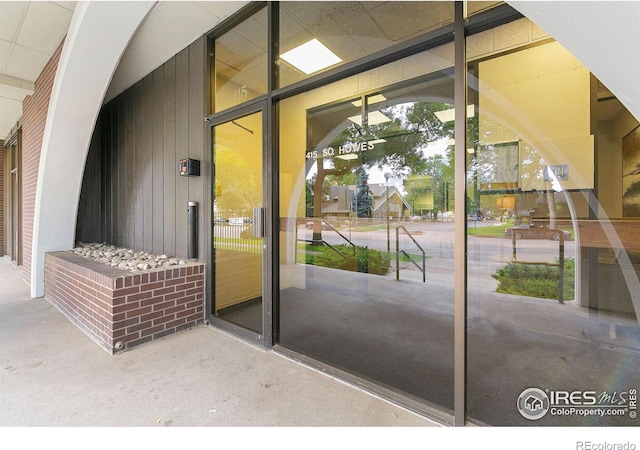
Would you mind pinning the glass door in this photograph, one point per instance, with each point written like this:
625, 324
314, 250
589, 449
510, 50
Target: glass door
238, 221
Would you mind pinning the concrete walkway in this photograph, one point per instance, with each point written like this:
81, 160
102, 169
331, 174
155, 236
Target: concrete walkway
54, 375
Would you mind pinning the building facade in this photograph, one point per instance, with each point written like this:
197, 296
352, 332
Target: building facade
469, 109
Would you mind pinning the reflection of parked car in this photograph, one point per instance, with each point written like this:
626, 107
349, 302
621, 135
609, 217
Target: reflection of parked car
309, 225
533, 231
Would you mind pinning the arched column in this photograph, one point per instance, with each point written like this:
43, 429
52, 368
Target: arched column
97, 37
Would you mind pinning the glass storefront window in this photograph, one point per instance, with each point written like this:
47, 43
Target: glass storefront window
240, 63
315, 36
367, 212
364, 176
553, 261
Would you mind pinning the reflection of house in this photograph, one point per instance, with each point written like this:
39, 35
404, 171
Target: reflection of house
339, 205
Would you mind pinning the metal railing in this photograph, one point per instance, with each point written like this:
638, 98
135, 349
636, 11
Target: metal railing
398, 251
329, 227
235, 234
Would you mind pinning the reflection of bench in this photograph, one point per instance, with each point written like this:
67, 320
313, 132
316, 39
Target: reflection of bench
608, 252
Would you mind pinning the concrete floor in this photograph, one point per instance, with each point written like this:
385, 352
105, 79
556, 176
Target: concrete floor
53, 375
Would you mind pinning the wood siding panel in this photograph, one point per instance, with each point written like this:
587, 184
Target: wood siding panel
158, 162
137, 211
146, 153
196, 129
138, 140
127, 233
121, 163
182, 148
170, 170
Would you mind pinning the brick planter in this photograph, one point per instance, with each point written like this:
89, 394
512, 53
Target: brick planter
121, 310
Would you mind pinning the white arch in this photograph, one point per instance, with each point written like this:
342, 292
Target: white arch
98, 35
602, 35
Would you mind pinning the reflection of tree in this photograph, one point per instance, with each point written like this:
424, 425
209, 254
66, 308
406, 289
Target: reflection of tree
362, 201
634, 188
437, 177
419, 192
399, 144
309, 196
236, 189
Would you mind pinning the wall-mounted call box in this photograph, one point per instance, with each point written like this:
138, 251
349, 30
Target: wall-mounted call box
189, 167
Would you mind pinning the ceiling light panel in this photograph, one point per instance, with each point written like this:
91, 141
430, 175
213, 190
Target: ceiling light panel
311, 57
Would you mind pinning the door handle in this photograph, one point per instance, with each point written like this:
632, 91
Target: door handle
258, 222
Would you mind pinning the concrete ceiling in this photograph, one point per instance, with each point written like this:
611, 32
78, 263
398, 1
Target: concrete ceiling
29, 34
31, 31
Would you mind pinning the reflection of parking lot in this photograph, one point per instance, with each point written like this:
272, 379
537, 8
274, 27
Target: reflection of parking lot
484, 254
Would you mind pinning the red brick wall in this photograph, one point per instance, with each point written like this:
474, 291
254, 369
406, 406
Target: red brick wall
34, 117
115, 307
2, 153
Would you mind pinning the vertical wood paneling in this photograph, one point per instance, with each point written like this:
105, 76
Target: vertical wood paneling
146, 153
115, 149
128, 202
139, 200
182, 148
138, 165
121, 163
89, 224
106, 171
170, 158
157, 161
196, 128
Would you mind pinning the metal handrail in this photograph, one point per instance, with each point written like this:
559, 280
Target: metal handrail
325, 243
398, 251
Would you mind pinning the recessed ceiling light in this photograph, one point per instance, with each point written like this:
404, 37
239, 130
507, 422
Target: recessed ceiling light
311, 57
449, 115
374, 118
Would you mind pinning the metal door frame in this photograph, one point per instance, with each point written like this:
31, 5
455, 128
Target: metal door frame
266, 337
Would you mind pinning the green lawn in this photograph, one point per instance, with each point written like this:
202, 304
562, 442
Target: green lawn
496, 230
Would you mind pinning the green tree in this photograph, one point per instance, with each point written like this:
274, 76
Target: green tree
362, 201
398, 144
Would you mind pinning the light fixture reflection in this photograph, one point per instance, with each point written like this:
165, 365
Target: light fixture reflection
370, 100
374, 118
347, 156
449, 115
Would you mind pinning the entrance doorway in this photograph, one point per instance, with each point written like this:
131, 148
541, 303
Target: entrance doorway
238, 221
